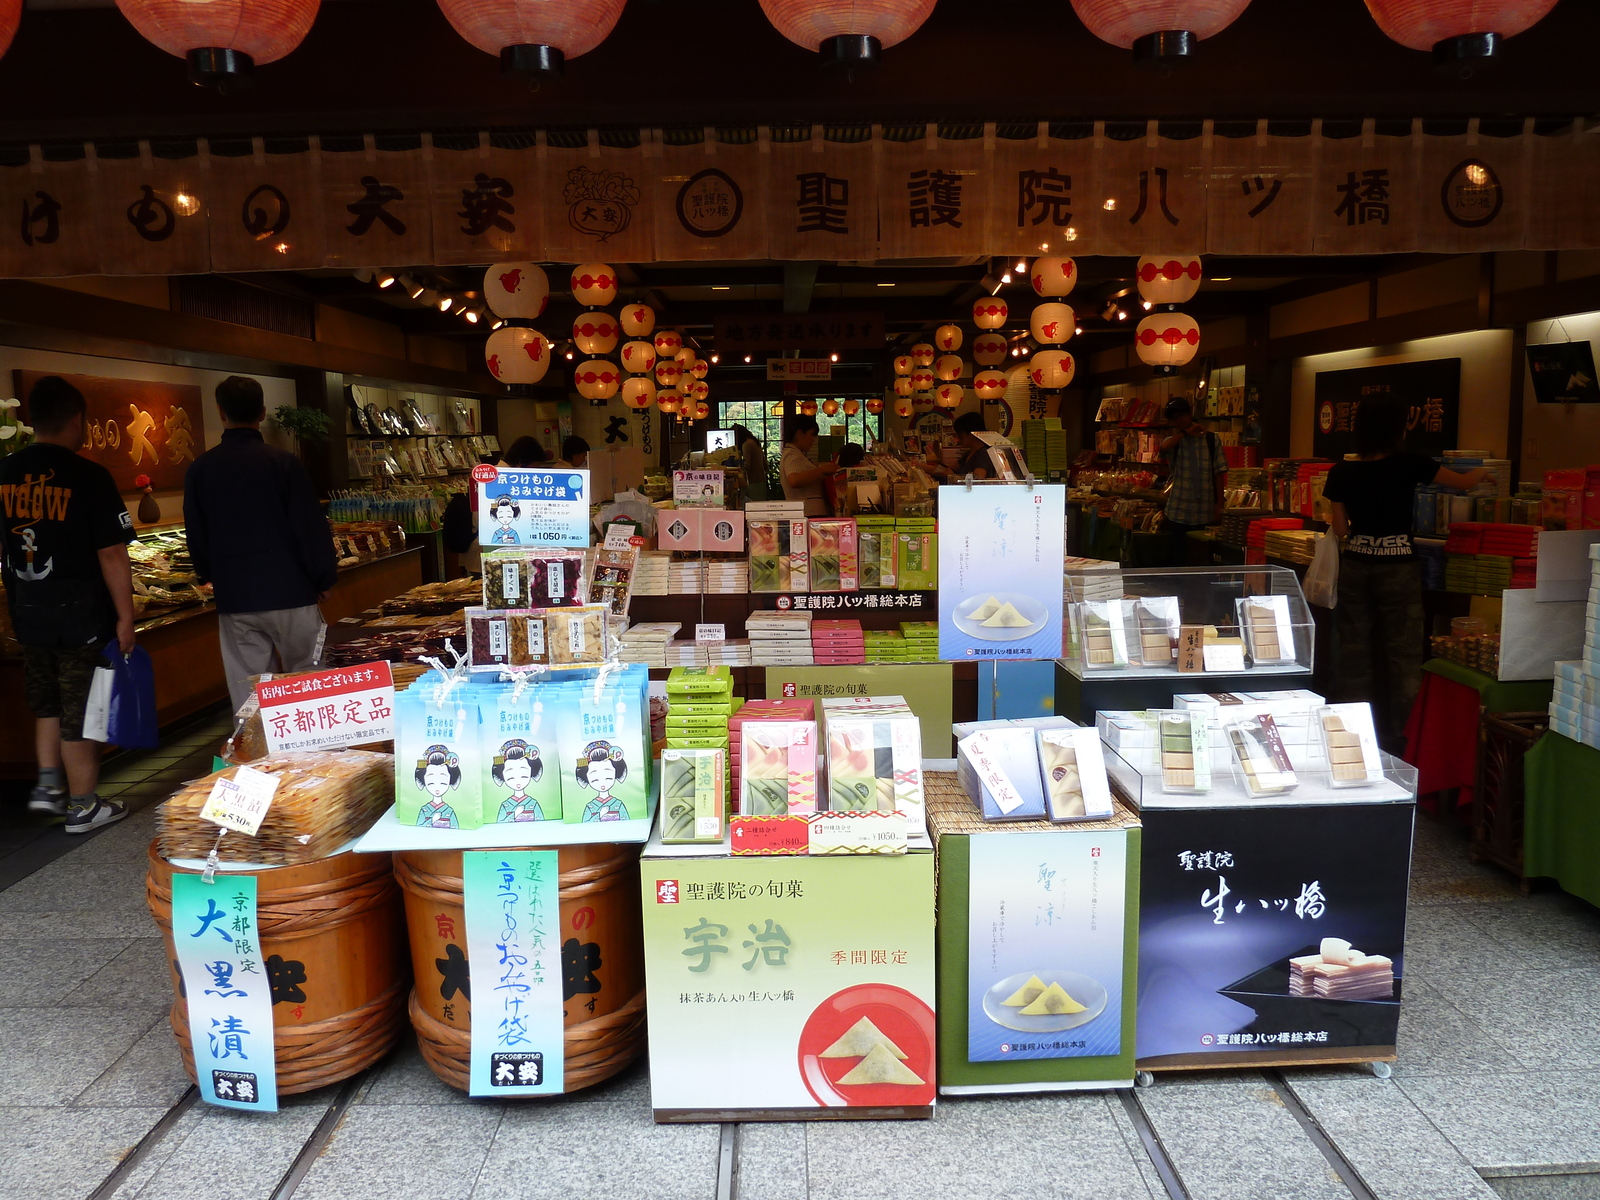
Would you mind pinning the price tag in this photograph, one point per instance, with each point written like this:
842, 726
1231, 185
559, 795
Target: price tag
619, 536
1225, 658
240, 803
710, 633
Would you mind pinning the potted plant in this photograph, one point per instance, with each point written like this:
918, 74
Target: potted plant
303, 424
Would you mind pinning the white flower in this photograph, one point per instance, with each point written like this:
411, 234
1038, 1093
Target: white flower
12, 403
27, 429
7, 431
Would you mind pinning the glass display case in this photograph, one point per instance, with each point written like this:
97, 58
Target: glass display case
1186, 622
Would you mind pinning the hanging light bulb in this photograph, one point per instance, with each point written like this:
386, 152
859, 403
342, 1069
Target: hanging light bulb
848, 35
534, 37
223, 41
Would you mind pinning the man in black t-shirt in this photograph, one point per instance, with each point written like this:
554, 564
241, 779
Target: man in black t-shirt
65, 540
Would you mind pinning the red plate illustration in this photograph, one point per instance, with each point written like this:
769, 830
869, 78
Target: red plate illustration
901, 1017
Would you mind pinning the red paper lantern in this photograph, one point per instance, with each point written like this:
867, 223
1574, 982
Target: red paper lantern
1052, 324
668, 373
948, 367
1457, 31
668, 343
595, 332
699, 389
1158, 29
1166, 340
903, 364
516, 289
222, 40
516, 354
947, 337
1168, 278
1051, 369
874, 406
922, 379
830, 407
902, 407
639, 357
700, 369
922, 355
988, 349
594, 285
533, 36
669, 402
1053, 275
949, 395
702, 410
852, 407
808, 408
597, 379
638, 391
638, 320
990, 385
902, 385
848, 33
989, 312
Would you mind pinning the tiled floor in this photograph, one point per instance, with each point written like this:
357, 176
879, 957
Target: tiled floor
1496, 1092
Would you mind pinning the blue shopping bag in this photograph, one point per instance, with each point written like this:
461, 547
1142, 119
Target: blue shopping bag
131, 719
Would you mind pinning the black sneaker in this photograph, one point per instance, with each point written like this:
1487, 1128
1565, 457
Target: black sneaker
48, 800
81, 818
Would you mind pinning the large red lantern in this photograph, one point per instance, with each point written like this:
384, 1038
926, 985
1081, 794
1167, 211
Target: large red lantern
595, 332
517, 355
533, 36
989, 312
1168, 278
10, 18
639, 357
638, 391
1053, 275
222, 40
1167, 340
597, 379
516, 289
1159, 29
1457, 31
848, 33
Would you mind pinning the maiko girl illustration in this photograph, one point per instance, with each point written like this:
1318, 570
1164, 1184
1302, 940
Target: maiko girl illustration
438, 770
504, 511
515, 767
601, 767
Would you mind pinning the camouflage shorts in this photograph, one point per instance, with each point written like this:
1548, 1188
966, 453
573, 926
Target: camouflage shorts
56, 684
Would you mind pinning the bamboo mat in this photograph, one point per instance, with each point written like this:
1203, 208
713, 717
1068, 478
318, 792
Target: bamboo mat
951, 810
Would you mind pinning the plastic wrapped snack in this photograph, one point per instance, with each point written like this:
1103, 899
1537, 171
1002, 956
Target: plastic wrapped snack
1104, 638
437, 775
1264, 622
575, 636
1184, 751
778, 768
693, 804
505, 580
604, 737
1264, 765
1154, 636
1074, 772
1349, 744
520, 771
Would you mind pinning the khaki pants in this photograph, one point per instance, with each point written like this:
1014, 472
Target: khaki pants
280, 640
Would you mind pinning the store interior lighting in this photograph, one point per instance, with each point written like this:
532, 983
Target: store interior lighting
384, 279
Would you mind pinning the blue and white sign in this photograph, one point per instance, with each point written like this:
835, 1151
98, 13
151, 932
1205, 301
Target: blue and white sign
1000, 553
526, 506
512, 903
228, 989
1045, 927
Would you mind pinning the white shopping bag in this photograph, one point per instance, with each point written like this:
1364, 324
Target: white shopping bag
98, 712
1322, 577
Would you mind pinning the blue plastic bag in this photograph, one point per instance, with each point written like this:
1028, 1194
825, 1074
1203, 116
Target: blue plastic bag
131, 721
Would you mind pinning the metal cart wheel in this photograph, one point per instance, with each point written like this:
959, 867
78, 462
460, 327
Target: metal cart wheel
1382, 1069
1147, 1079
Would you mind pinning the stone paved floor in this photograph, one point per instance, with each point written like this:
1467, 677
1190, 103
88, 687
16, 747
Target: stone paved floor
1497, 1091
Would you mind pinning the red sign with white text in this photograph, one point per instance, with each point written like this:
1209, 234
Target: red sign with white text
323, 710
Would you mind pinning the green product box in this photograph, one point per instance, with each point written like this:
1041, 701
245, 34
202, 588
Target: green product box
697, 742
676, 719
918, 561
693, 795
709, 682
687, 706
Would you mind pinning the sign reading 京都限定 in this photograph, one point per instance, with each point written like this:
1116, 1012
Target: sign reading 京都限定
1000, 552
323, 710
227, 984
514, 954
529, 506
789, 983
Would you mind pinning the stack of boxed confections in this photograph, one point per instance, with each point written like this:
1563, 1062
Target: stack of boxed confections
873, 748
875, 547
1290, 710
1290, 545
651, 576
699, 702
686, 577
727, 576
731, 652
1031, 768
780, 639
886, 645
916, 554
534, 615
779, 546
837, 642
922, 640
1091, 579
1575, 704
768, 711
647, 642
834, 563
687, 653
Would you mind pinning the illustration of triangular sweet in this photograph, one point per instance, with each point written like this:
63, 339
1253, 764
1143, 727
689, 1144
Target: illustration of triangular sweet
985, 610
1026, 994
1006, 617
859, 1040
880, 1066
1053, 1002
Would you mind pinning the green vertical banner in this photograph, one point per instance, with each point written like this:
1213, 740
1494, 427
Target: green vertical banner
227, 990
512, 904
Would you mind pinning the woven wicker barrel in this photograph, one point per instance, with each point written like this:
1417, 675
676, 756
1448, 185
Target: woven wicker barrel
602, 943
337, 922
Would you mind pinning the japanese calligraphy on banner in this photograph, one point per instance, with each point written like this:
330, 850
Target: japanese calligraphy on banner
227, 990
135, 427
1430, 392
511, 902
574, 198
323, 710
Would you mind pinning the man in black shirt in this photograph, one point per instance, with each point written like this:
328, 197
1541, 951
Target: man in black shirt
257, 534
70, 589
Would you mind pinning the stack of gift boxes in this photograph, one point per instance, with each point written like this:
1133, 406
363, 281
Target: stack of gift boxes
1575, 704
699, 702
779, 639
838, 642
792, 553
761, 710
1484, 558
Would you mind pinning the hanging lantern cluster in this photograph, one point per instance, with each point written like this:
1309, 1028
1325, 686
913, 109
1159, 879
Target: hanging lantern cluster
638, 356
1161, 31
223, 41
1460, 33
532, 37
849, 35
1167, 339
596, 332
517, 354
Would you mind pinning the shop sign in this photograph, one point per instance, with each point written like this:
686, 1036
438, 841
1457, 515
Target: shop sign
1429, 391
790, 984
925, 687
1000, 552
744, 333
1045, 929
138, 429
921, 606
511, 900
323, 710
800, 370
1228, 897
230, 989
526, 507
698, 489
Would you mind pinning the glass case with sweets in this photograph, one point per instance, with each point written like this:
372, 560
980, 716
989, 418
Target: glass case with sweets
1167, 622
